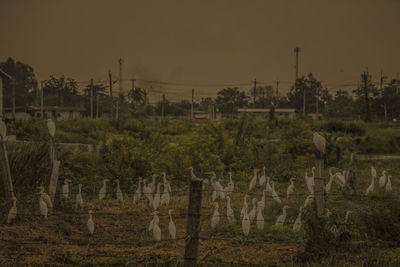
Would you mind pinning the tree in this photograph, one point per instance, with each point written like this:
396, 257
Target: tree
366, 96
341, 106
265, 96
25, 83
61, 92
230, 99
137, 96
391, 97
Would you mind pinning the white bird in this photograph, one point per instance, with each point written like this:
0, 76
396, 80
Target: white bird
268, 187
319, 142
231, 185
297, 222
219, 189
90, 223
12, 214
263, 177
373, 171
388, 187
329, 184
246, 223
206, 182
290, 189
157, 197
229, 210
138, 192
192, 173
156, 229
166, 182
120, 196
310, 181
252, 213
274, 194
371, 187
253, 181
65, 188
43, 206
46, 198
103, 189
165, 198
155, 220
281, 219
3, 129
308, 201
215, 216
260, 218
340, 179
79, 199
262, 202
152, 185
346, 218
245, 206
171, 226
147, 193
382, 179
52, 127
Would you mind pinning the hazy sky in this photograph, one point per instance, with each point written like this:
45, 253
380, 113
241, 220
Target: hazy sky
203, 43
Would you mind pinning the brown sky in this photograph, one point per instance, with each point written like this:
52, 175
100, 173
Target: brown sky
203, 42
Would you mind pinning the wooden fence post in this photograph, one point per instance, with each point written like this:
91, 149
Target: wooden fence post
193, 222
319, 189
6, 174
54, 180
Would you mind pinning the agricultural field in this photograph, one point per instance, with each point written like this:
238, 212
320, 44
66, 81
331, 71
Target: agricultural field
134, 150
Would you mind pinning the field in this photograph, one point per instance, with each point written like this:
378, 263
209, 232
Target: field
136, 149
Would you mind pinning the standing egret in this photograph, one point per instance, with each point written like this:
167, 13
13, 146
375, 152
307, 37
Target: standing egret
12, 214
290, 189
310, 181
220, 189
308, 200
65, 188
3, 129
192, 175
215, 216
281, 219
138, 192
263, 177
231, 185
103, 189
373, 171
147, 192
262, 202
120, 196
43, 206
268, 187
329, 184
253, 181
157, 197
206, 182
319, 142
229, 210
346, 218
90, 223
252, 213
79, 199
371, 187
155, 220
166, 182
388, 187
260, 218
246, 223
165, 198
274, 194
152, 185
156, 228
171, 226
46, 197
245, 206
52, 127
382, 179
297, 222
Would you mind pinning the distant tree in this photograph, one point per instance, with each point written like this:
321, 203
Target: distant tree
230, 99
61, 92
341, 106
391, 100
137, 96
360, 101
265, 96
25, 83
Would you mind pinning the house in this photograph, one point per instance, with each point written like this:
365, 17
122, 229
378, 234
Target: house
263, 113
54, 112
315, 116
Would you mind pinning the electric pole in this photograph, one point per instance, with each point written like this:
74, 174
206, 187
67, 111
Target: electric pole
91, 98
133, 88
13, 98
296, 51
255, 91
382, 80
41, 99
120, 61
277, 89
111, 96
365, 80
162, 107
1, 98
191, 110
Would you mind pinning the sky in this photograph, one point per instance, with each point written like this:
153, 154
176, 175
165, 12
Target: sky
206, 45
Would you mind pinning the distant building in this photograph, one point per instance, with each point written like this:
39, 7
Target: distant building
263, 113
315, 116
54, 112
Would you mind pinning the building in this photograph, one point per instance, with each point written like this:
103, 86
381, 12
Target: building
315, 116
263, 113
54, 112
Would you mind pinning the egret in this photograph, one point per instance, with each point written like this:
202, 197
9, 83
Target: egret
65, 188
206, 182
219, 189
253, 181
165, 198
229, 210
138, 192
192, 173
274, 194
319, 142
263, 177
371, 187
79, 199
215, 216
262, 202
152, 185
245, 206
120, 196
346, 218
310, 181
156, 229
308, 200
252, 213
260, 218
171, 226
90, 223
155, 220
3, 129
268, 187
373, 171
103, 190
147, 192
43, 206
388, 187
281, 219
166, 182
297, 222
52, 127
157, 198
231, 185
12, 214
46, 197
329, 184
382, 179
290, 189
246, 223
340, 179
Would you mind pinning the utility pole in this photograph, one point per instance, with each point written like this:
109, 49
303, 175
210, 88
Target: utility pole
120, 61
41, 99
145, 97
382, 80
133, 88
1, 98
277, 89
317, 101
365, 80
192, 110
91, 98
97, 105
162, 107
13, 98
296, 51
255, 91
111, 96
